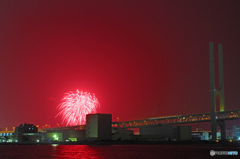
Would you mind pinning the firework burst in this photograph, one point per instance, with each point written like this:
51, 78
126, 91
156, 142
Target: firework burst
75, 106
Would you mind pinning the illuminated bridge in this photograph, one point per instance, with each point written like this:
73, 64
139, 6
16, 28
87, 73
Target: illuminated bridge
178, 119
216, 118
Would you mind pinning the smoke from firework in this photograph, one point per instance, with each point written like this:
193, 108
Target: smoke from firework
75, 106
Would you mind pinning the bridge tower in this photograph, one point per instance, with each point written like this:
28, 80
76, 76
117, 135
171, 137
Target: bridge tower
217, 93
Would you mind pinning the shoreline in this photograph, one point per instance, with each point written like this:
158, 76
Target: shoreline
233, 143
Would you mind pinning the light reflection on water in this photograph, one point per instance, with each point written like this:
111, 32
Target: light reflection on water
111, 151
77, 151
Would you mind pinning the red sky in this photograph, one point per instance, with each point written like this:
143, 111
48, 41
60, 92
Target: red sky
140, 58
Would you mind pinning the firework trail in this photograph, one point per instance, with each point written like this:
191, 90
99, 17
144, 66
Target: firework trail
75, 106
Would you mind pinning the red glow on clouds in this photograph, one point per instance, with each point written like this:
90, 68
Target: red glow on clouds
75, 107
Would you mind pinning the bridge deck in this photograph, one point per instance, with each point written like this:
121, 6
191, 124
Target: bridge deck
178, 119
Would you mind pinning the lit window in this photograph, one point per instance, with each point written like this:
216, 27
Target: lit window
29, 128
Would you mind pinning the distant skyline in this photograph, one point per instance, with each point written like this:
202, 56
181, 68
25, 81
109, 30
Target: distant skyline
140, 58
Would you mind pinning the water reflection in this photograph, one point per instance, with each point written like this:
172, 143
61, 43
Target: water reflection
113, 151
77, 151
54, 145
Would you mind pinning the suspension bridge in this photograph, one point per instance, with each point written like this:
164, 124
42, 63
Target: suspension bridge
215, 117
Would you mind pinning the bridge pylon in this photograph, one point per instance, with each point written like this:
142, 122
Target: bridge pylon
216, 93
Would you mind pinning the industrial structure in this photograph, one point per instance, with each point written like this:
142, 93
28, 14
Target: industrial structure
27, 133
23, 133
236, 131
178, 133
99, 127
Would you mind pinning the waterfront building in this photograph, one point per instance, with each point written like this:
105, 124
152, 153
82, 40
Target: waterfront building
27, 133
236, 132
99, 127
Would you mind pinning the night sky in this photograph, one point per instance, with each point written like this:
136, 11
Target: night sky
141, 58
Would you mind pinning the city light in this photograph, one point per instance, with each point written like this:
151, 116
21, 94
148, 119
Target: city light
55, 137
